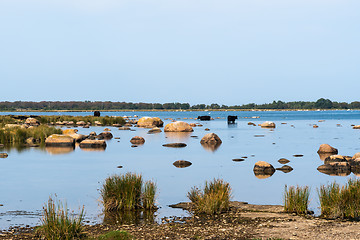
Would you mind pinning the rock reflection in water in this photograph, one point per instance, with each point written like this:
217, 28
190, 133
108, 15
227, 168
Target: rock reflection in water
178, 136
136, 217
263, 175
99, 149
59, 150
342, 172
323, 156
210, 147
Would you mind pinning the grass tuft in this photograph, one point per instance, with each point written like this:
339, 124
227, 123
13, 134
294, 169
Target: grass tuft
127, 192
19, 135
58, 223
340, 202
296, 199
213, 199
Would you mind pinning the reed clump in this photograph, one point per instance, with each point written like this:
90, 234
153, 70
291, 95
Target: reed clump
296, 199
213, 199
128, 192
340, 202
18, 135
59, 223
106, 120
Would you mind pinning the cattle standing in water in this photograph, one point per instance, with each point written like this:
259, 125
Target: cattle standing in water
96, 114
204, 118
231, 119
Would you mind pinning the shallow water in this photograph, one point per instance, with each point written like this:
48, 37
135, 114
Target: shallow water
29, 177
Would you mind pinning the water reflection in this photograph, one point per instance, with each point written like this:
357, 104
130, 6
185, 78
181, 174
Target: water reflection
97, 149
136, 217
210, 147
232, 125
178, 136
15, 147
323, 156
342, 172
263, 175
59, 150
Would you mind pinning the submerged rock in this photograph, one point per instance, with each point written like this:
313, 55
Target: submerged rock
59, 140
105, 135
263, 169
150, 122
356, 155
285, 169
92, 144
124, 128
137, 140
283, 160
238, 159
326, 148
335, 168
80, 123
154, 130
178, 126
211, 138
335, 158
182, 163
175, 145
73, 133
268, 124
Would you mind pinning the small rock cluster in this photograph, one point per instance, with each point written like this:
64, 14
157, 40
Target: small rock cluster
337, 165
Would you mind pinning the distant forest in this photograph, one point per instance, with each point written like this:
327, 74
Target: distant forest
97, 105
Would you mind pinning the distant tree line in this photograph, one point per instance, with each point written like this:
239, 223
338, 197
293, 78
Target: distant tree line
107, 105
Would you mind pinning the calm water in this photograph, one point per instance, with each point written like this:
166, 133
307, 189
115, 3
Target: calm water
29, 177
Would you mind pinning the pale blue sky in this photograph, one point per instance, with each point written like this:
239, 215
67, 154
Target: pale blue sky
206, 51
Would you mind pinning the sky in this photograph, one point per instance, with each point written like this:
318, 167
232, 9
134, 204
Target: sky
196, 51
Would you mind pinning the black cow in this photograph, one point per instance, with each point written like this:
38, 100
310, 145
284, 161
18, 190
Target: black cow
231, 119
96, 113
204, 118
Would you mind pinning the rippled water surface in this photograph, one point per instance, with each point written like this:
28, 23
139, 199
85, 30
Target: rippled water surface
28, 177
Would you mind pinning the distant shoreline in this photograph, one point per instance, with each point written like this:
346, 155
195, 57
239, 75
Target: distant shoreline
189, 110
192, 110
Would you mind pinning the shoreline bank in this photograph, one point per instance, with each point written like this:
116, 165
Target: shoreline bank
243, 221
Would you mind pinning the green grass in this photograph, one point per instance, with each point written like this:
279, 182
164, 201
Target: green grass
106, 120
340, 202
127, 192
116, 235
296, 199
19, 135
59, 224
213, 199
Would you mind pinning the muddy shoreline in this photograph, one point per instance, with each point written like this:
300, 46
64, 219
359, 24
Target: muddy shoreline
243, 221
